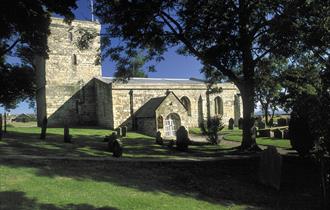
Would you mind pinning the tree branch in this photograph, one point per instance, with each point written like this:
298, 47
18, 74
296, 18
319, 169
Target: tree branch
9, 48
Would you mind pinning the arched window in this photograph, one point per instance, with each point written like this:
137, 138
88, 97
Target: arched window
160, 122
186, 103
70, 36
74, 59
218, 106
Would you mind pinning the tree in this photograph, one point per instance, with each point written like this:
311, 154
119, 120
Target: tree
268, 84
23, 33
133, 67
230, 37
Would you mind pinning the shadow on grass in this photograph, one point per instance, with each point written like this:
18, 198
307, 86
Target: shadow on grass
221, 182
13, 200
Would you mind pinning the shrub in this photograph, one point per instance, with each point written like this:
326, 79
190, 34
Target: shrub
300, 126
214, 125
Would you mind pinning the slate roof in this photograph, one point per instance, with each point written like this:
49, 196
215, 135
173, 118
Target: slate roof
174, 81
149, 108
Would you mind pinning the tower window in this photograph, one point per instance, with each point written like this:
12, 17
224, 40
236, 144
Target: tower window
74, 59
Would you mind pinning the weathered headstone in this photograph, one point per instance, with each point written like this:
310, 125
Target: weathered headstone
282, 122
231, 124
111, 140
266, 133
0, 126
182, 139
278, 134
270, 167
119, 132
240, 123
117, 148
159, 139
261, 125
124, 131
67, 136
286, 134
43, 129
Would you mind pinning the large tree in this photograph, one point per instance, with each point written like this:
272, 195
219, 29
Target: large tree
24, 27
229, 37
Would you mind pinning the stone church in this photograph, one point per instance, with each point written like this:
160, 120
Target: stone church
71, 90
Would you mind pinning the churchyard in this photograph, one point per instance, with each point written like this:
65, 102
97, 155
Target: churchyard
51, 174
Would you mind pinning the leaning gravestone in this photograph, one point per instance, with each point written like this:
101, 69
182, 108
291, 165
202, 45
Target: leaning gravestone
43, 129
278, 134
261, 125
240, 123
124, 131
159, 139
270, 167
286, 134
231, 124
182, 139
119, 132
67, 136
111, 140
0, 126
117, 148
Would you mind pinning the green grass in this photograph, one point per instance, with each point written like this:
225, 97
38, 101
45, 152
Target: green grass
87, 185
88, 142
236, 135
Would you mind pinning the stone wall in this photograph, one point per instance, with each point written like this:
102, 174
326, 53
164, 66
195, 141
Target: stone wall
124, 94
67, 92
146, 126
104, 104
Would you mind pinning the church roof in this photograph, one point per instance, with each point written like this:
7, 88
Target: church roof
149, 108
136, 80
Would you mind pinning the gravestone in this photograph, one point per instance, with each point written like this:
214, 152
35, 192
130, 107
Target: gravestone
111, 140
159, 139
282, 122
270, 168
43, 129
124, 131
119, 132
278, 134
286, 134
240, 123
0, 126
182, 139
254, 132
231, 124
271, 122
261, 125
67, 136
117, 148
266, 133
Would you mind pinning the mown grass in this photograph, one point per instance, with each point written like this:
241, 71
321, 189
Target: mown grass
88, 142
88, 185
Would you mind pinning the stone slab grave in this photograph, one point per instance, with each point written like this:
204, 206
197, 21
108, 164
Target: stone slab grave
270, 168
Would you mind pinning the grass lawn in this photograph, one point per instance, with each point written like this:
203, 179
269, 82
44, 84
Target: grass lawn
236, 135
88, 142
87, 185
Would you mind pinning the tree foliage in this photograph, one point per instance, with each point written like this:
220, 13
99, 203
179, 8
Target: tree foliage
229, 37
24, 27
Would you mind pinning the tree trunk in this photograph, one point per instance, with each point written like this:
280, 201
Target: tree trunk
249, 135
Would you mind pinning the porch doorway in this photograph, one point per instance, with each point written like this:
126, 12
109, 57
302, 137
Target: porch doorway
172, 123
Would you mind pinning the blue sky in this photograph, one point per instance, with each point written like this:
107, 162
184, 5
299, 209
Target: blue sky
173, 66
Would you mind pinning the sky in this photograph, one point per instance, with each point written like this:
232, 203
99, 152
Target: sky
173, 65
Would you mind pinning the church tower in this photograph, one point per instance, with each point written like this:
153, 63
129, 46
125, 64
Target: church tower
65, 85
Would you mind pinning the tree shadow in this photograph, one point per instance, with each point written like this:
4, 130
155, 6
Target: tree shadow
220, 182
16, 200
